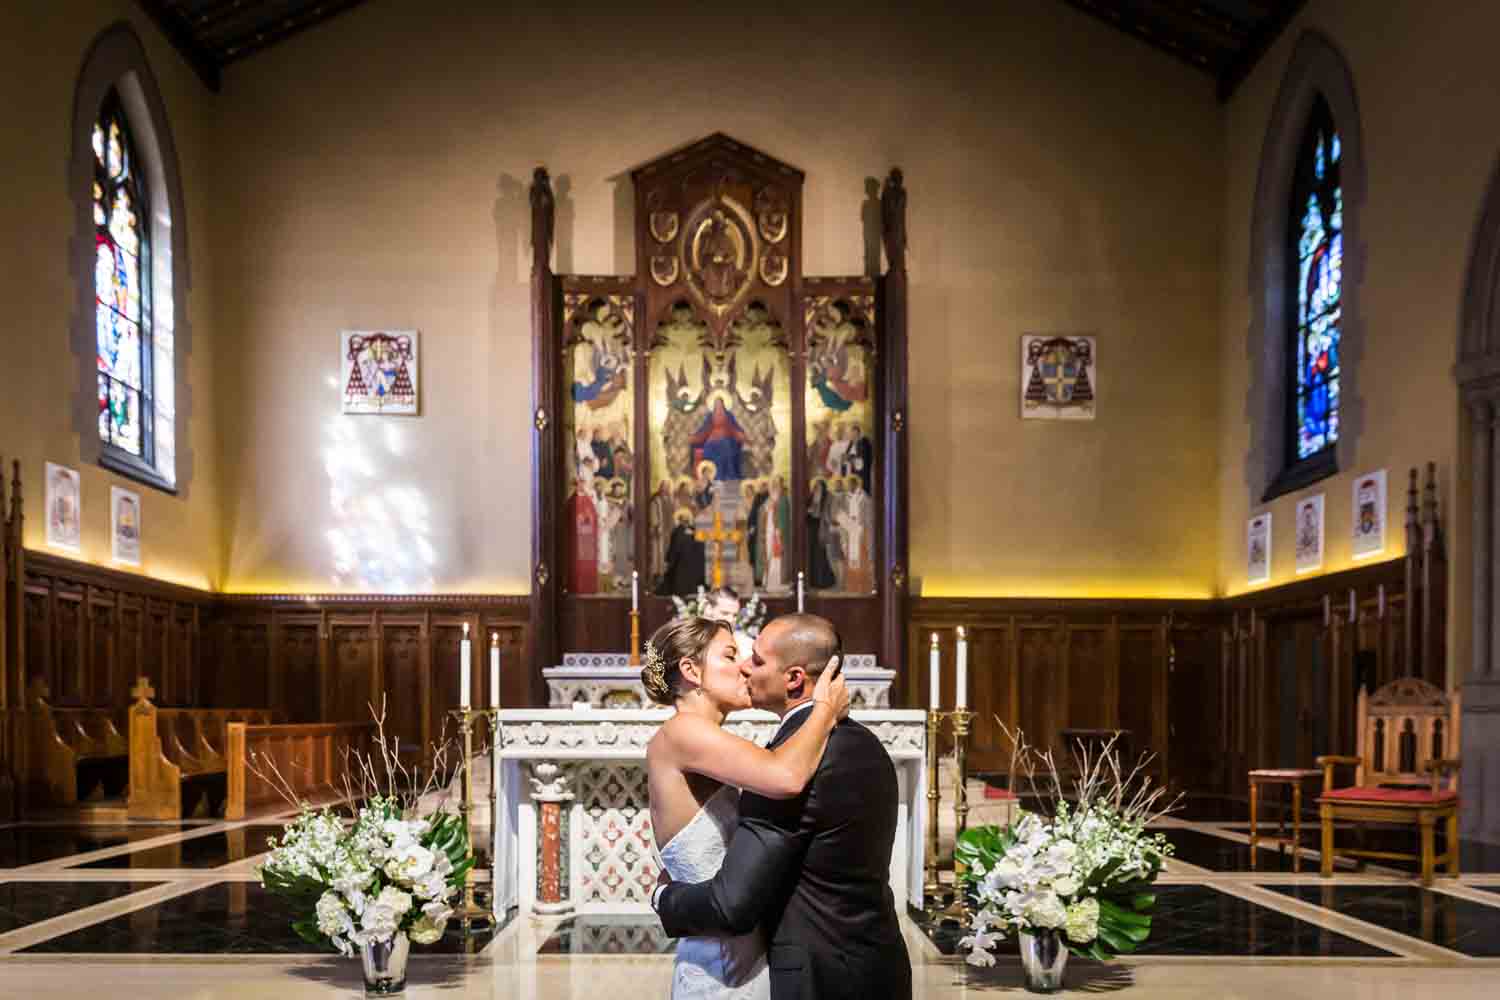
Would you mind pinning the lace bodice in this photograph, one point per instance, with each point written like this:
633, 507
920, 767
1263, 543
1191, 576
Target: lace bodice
719, 967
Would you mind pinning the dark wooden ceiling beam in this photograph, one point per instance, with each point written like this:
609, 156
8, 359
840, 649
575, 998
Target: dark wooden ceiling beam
1131, 19
293, 23
180, 36
1263, 38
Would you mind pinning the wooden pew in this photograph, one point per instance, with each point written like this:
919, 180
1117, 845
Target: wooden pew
310, 757
178, 759
75, 753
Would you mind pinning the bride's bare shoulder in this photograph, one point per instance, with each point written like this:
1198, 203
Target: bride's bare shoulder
676, 732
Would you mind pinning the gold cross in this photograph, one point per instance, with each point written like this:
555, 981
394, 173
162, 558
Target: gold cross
143, 691
719, 536
1057, 380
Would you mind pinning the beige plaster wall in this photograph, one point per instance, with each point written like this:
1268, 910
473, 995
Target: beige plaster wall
1426, 86
1063, 177
42, 47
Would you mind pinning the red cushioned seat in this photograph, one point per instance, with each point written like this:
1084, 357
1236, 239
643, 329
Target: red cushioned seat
1410, 796
991, 792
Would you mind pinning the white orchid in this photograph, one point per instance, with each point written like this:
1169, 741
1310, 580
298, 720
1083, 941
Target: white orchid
409, 862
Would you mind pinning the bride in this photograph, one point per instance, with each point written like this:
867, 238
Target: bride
696, 770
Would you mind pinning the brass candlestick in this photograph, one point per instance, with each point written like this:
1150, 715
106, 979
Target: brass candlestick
931, 888
958, 910
469, 911
635, 637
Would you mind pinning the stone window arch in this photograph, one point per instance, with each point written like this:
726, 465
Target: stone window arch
1317, 82
133, 402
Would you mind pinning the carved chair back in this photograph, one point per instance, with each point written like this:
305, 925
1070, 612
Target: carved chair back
1402, 728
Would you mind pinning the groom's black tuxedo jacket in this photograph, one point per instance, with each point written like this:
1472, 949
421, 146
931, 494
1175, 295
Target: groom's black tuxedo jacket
814, 871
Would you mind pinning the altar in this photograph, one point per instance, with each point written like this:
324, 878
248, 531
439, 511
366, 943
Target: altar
573, 832
610, 680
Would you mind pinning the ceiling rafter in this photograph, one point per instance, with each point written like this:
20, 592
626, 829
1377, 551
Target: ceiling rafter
1223, 38
211, 34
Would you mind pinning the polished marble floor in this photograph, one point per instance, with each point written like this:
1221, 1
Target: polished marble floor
175, 911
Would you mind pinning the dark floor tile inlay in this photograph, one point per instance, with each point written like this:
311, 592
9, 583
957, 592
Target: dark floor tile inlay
1462, 925
237, 918
23, 903
608, 935
1198, 920
207, 851
1220, 854
29, 845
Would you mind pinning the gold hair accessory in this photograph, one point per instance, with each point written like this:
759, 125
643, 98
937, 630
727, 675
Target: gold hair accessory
656, 666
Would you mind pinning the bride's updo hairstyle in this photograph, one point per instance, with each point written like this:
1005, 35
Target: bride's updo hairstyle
677, 640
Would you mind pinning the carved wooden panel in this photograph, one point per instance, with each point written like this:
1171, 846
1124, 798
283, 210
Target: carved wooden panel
103, 687
1139, 655
353, 674
402, 660
69, 683
127, 660
1092, 664
38, 629
443, 690
300, 679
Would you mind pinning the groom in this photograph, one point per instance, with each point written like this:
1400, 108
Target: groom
814, 871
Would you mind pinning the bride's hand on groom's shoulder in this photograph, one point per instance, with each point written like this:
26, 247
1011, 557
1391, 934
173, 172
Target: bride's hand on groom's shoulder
832, 690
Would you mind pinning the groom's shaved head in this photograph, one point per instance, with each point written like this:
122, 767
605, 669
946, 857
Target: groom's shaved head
807, 639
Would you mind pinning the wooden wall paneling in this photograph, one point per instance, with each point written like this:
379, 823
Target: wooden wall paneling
131, 615
298, 673
401, 665
354, 662
1136, 703
1091, 663
1195, 715
992, 686
447, 633
68, 626
99, 627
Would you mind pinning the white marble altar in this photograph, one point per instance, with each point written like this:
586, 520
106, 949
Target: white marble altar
607, 680
591, 763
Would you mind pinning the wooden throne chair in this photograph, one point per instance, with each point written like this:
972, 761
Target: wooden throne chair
1404, 773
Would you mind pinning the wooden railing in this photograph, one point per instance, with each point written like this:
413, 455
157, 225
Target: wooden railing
310, 759
178, 756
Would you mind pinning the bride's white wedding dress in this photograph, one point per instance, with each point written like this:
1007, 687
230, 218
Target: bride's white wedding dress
729, 967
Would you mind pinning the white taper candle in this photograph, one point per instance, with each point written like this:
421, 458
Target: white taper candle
635, 590
961, 696
799, 592
463, 669
934, 675
494, 670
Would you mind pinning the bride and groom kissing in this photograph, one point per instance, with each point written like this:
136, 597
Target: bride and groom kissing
776, 860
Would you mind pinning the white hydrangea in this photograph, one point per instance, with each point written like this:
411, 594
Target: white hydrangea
1082, 923
333, 915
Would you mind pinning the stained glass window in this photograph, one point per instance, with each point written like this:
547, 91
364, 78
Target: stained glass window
1318, 231
133, 362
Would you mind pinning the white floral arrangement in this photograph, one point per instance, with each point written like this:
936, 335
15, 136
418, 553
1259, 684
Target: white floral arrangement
749, 620
363, 883
1086, 872
382, 870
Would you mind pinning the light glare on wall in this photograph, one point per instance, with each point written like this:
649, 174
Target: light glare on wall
380, 536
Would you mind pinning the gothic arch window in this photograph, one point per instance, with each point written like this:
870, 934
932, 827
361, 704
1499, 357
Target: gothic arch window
1305, 275
130, 334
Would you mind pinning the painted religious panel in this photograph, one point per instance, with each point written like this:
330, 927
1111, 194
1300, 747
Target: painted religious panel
64, 508
1058, 379
839, 404
1309, 521
599, 456
378, 371
720, 404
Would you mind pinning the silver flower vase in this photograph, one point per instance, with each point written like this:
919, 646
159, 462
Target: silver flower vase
1044, 958
385, 965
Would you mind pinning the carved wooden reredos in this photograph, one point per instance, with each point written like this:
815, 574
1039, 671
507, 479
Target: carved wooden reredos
718, 235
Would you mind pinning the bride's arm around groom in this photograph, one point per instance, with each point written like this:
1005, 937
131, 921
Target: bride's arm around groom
814, 870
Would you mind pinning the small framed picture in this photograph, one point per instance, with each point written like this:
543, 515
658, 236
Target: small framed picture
1369, 515
1058, 377
1258, 549
379, 371
125, 525
1309, 526
64, 508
